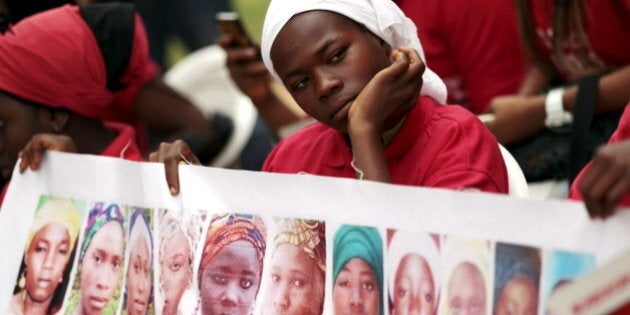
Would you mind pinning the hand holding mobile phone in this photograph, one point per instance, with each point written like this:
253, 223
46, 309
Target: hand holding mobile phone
229, 23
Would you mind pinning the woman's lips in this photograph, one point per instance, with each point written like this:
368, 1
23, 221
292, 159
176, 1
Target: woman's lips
139, 305
98, 302
44, 283
341, 114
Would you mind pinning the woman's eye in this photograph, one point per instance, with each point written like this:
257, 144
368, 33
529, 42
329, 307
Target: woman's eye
337, 56
300, 84
136, 267
219, 278
116, 264
402, 293
175, 267
63, 251
40, 249
343, 283
298, 282
428, 297
275, 278
369, 286
246, 283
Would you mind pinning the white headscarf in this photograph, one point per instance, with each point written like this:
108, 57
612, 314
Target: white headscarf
381, 17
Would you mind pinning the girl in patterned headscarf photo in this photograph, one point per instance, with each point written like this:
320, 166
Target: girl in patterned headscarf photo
231, 264
295, 275
96, 288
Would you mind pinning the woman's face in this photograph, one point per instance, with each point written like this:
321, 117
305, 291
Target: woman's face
100, 268
414, 291
356, 289
296, 284
229, 282
176, 270
325, 61
466, 290
46, 259
518, 297
139, 278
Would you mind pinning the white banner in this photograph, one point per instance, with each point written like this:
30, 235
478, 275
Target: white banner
239, 242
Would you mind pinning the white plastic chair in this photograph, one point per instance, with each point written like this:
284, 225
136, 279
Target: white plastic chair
516, 179
202, 76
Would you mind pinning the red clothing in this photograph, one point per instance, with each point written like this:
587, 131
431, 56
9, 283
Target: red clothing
53, 59
437, 146
124, 146
607, 27
621, 133
474, 47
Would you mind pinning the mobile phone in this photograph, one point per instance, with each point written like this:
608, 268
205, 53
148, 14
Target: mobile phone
230, 24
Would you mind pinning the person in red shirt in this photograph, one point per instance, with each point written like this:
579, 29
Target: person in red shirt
110, 41
567, 40
604, 183
473, 46
378, 106
54, 94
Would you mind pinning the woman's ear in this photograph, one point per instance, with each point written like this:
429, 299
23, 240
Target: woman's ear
54, 120
60, 120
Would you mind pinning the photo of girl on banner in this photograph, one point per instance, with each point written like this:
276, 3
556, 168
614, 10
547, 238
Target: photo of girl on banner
516, 279
138, 296
48, 255
562, 268
467, 286
232, 264
358, 271
179, 233
97, 284
413, 272
293, 281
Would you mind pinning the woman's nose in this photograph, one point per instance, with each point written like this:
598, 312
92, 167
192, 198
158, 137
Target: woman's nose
281, 299
327, 84
356, 299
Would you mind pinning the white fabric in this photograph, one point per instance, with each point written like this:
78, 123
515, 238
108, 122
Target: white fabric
381, 17
403, 244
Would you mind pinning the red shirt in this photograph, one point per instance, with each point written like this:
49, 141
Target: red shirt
474, 46
125, 145
607, 27
621, 133
437, 146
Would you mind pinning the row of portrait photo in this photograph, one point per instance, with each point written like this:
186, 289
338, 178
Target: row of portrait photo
103, 258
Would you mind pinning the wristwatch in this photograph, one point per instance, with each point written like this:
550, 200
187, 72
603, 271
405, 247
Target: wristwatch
556, 115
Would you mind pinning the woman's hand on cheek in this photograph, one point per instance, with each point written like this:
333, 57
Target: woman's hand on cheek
391, 93
32, 153
172, 154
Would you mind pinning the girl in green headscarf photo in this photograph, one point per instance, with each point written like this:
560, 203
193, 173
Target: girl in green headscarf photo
358, 271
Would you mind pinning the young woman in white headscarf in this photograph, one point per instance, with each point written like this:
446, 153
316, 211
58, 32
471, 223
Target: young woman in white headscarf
358, 68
